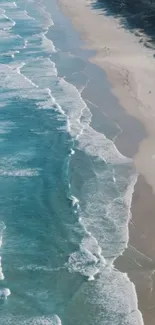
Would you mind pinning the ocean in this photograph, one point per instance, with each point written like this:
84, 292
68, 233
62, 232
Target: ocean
65, 189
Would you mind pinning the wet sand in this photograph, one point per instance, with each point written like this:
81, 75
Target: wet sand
139, 259
136, 139
142, 237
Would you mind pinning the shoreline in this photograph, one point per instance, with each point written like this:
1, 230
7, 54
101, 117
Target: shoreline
140, 270
138, 259
128, 66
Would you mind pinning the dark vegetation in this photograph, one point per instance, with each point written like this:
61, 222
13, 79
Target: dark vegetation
134, 14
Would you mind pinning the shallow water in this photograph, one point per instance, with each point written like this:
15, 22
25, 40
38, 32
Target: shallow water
65, 189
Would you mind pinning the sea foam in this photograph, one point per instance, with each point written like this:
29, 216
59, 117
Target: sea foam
42, 320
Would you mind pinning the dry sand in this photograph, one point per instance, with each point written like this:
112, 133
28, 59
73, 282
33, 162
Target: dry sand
130, 68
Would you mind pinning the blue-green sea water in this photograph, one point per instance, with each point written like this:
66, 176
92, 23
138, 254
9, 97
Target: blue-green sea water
65, 190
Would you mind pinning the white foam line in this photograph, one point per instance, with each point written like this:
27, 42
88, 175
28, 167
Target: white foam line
81, 126
137, 263
13, 53
27, 79
142, 254
20, 172
89, 102
12, 21
34, 267
98, 251
75, 201
2, 228
8, 4
26, 14
46, 13
49, 42
54, 102
25, 44
11, 319
85, 86
1, 271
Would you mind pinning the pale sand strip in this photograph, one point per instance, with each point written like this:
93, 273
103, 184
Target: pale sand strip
130, 68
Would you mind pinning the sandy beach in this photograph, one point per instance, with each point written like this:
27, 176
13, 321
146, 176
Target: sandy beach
130, 69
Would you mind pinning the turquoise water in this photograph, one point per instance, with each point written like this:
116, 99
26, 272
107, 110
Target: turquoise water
65, 190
